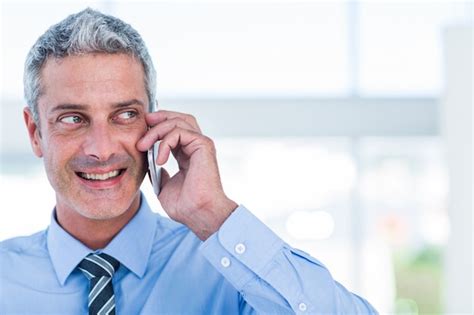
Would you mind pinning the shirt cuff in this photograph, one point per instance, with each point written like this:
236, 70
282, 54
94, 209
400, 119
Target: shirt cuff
242, 247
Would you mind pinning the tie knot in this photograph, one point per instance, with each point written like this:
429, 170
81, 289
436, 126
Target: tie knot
99, 265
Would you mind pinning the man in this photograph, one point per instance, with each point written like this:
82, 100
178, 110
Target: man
89, 84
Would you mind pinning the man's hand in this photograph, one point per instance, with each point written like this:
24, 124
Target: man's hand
194, 196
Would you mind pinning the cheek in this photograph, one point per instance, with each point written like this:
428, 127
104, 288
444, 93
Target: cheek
130, 143
133, 136
55, 164
58, 151
57, 155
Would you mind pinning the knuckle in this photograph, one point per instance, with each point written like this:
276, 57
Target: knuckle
191, 119
158, 134
209, 143
207, 140
171, 121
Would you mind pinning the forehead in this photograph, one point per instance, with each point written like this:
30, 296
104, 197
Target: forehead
92, 78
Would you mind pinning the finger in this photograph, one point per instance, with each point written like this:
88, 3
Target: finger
188, 141
165, 177
159, 131
155, 118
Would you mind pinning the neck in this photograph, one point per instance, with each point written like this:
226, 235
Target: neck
94, 233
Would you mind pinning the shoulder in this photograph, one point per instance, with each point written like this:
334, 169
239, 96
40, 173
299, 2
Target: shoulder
34, 245
172, 236
169, 229
177, 246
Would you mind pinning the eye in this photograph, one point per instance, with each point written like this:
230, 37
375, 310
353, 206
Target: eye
126, 115
72, 119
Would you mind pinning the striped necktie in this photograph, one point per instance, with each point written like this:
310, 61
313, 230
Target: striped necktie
99, 269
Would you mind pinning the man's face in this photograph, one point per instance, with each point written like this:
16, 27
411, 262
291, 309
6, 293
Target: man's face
92, 113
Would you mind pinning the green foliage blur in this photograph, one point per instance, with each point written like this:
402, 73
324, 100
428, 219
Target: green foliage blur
418, 282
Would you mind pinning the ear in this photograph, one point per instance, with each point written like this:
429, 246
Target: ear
33, 132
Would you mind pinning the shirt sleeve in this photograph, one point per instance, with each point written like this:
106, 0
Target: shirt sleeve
271, 276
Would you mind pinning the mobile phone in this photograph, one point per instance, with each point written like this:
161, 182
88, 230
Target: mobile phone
154, 170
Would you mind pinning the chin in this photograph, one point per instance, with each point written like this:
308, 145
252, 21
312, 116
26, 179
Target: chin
106, 208
101, 214
99, 203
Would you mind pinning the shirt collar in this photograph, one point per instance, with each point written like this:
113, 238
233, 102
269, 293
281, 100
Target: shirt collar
131, 246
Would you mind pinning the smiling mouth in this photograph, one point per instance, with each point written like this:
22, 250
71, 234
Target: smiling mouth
100, 177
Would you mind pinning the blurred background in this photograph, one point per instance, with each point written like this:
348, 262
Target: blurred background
345, 126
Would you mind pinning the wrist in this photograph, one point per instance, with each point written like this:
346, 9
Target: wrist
216, 216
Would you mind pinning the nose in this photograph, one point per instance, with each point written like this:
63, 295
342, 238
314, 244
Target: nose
100, 143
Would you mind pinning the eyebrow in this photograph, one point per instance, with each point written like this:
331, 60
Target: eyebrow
68, 107
61, 107
128, 103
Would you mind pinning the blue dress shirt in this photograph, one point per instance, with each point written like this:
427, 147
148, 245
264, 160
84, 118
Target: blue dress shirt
244, 268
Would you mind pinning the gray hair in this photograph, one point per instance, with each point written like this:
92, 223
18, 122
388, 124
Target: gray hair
88, 31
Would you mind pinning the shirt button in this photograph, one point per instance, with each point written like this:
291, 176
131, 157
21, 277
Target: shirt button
240, 248
225, 262
302, 307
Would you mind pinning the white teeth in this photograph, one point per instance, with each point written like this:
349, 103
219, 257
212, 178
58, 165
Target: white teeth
100, 176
